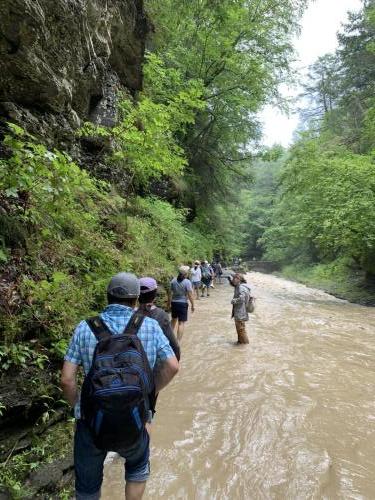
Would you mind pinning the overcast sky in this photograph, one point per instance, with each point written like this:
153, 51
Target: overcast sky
321, 22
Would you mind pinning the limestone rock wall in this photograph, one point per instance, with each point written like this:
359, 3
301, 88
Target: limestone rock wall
62, 61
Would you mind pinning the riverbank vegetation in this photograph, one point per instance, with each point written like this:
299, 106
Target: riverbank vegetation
320, 222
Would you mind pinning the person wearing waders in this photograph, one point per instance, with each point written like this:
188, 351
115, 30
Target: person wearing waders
239, 311
118, 351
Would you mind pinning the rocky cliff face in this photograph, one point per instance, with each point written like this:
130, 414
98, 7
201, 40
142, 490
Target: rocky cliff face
62, 62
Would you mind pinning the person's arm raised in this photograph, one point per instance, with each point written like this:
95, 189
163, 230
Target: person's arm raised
240, 298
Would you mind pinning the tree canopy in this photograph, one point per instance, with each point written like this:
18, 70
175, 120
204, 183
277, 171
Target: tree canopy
324, 206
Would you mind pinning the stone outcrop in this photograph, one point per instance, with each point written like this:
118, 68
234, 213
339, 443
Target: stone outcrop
63, 61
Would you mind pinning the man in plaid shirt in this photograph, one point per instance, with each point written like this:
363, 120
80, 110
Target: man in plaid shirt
122, 292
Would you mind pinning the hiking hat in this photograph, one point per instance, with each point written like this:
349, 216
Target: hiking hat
124, 286
148, 285
184, 270
197, 262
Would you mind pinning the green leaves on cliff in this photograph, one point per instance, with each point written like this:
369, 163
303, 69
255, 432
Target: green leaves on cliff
61, 248
145, 141
63, 234
213, 65
41, 183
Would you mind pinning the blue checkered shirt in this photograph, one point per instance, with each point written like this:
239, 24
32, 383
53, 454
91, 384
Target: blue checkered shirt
116, 317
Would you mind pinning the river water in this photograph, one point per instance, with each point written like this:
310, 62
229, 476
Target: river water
290, 416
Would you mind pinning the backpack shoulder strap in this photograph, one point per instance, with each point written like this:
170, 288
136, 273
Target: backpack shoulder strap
98, 328
134, 323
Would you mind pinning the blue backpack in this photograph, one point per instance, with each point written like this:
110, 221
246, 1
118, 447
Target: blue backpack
115, 398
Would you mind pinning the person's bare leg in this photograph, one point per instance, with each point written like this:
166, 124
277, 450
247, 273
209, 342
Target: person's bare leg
180, 330
174, 324
134, 490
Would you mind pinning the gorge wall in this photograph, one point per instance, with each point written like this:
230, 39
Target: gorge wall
62, 62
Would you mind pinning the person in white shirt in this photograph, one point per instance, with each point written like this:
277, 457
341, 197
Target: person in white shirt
196, 277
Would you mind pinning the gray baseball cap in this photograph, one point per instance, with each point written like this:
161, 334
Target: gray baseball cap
124, 286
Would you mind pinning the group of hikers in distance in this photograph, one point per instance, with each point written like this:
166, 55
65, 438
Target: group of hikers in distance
129, 353
189, 285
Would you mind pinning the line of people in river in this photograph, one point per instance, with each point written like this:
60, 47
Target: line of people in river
191, 284
129, 353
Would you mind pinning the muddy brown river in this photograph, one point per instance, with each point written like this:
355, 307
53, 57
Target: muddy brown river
290, 416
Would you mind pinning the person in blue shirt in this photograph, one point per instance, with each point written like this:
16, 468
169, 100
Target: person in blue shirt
207, 277
122, 293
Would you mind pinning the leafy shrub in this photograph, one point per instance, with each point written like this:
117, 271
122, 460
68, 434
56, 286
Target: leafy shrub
144, 140
74, 233
325, 207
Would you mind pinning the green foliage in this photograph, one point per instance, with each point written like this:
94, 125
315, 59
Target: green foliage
38, 183
68, 253
339, 278
159, 239
21, 356
240, 52
368, 136
341, 86
322, 216
325, 207
262, 197
76, 233
213, 66
51, 445
223, 227
144, 139
320, 87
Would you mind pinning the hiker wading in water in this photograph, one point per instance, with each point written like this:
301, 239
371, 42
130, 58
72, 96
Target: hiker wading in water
149, 288
239, 312
118, 351
207, 276
196, 278
181, 292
